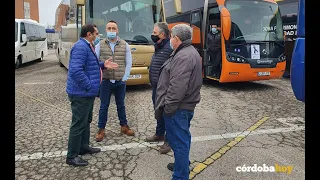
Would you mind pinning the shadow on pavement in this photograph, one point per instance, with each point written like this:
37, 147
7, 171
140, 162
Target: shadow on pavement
236, 86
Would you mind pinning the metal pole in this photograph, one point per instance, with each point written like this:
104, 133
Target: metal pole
205, 31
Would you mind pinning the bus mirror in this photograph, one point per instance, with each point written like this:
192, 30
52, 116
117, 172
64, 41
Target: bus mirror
177, 4
24, 38
81, 2
226, 22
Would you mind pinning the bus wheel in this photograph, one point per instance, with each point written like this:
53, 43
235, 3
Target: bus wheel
41, 58
18, 63
61, 65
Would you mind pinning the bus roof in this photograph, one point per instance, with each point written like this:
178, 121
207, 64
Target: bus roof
50, 31
30, 21
70, 26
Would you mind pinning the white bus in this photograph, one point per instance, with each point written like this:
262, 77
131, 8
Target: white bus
68, 36
30, 41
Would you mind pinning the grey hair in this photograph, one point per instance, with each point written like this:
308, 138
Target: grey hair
163, 28
182, 31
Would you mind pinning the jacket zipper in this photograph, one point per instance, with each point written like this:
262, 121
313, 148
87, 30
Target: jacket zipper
113, 71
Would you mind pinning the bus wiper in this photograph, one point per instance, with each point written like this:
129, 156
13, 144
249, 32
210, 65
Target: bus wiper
271, 9
282, 45
235, 45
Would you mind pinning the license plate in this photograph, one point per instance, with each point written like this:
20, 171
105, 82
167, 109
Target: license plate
135, 76
263, 73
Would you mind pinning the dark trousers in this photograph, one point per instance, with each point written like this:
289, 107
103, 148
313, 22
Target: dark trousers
80, 126
160, 129
119, 90
179, 139
215, 58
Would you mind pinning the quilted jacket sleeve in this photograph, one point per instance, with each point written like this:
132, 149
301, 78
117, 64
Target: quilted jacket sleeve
77, 66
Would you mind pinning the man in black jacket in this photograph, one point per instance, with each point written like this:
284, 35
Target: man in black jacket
214, 46
161, 37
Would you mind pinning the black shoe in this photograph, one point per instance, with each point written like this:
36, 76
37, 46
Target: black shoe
77, 161
215, 75
90, 150
170, 166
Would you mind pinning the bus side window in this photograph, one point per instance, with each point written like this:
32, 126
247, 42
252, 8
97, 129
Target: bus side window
22, 30
196, 30
179, 18
195, 19
214, 17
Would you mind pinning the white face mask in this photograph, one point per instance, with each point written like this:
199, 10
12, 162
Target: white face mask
214, 30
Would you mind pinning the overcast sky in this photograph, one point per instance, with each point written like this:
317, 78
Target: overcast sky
47, 10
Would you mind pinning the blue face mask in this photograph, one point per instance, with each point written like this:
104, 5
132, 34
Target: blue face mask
96, 41
214, 30
111, 35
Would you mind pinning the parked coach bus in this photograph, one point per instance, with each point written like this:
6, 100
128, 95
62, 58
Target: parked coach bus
135, 19
289, 9
252, 47
298, 56
30, 41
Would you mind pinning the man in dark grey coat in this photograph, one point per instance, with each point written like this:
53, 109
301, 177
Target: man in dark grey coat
178, 93
161, 37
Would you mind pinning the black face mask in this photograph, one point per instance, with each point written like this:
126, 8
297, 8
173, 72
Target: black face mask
155, 38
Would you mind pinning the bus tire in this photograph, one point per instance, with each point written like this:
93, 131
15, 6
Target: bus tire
60, 63
41, 58
18, 63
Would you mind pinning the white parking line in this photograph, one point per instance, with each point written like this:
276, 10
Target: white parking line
41, 155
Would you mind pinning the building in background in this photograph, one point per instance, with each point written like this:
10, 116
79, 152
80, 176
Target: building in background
27, 9
65, 14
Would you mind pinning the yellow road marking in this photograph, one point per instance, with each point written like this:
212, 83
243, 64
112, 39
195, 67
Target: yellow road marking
201, 166
208, 161
39, 100
216, 156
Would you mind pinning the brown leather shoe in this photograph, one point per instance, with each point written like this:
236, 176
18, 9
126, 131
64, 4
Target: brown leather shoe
125, 129
165, 148
100, 135
154, 138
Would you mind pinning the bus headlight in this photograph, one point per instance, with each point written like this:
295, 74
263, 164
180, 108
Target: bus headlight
235, 58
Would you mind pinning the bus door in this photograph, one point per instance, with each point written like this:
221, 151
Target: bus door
197, 35
213, 58
32, 34
195, 23
24, 46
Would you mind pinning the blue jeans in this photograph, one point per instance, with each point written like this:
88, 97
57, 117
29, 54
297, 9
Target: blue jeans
160, 129
179, 139
119, 90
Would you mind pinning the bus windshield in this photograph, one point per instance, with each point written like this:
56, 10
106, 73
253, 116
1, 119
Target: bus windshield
16, 32
135, 18
255, 21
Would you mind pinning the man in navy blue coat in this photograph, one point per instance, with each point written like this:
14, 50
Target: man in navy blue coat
161, 37
83, 83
